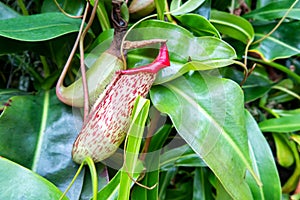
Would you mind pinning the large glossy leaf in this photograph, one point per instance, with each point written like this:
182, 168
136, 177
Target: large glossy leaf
20, 183
205, 52
39, 27
38, 131
232, 26
282, 124
281, 44
263, 163
273, 11
208, 114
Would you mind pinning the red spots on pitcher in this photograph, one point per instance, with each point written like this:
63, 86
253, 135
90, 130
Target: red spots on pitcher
109, 119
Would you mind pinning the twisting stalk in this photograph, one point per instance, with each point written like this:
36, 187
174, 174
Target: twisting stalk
109, 118
102, 71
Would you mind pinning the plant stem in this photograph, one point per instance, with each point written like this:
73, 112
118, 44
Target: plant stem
23, 7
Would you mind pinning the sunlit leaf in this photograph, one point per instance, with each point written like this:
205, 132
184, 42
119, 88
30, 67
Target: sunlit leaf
216, 129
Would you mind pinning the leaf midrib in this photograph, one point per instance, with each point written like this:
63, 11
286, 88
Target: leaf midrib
226, 137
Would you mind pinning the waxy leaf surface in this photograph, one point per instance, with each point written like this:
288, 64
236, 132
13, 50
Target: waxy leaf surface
207, 112
43, 138
19, 183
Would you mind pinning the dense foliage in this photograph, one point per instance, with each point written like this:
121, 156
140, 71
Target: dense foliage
222, 122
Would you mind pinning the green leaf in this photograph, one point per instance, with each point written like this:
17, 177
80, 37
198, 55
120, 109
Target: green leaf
20, 183
216, 132
39, 27
198, 25
6, 12
282, 44
177, 8
205, 52
272, 11
135, 135
43, 138
263, 163
282, 124
232, 26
